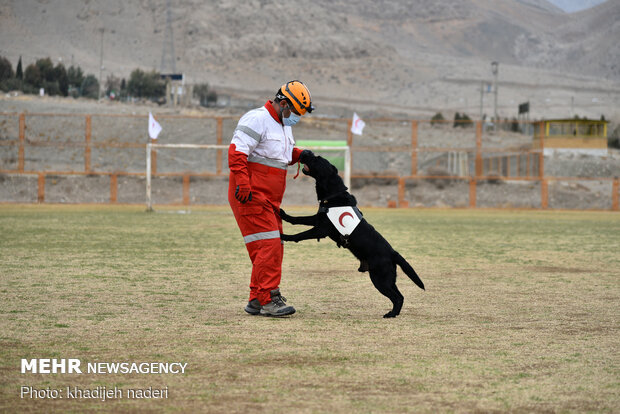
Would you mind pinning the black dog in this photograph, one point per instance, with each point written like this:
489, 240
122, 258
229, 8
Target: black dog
374, 252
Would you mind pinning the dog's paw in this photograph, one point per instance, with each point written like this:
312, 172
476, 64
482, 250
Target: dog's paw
390, 314
284, 216
363, 266
286, 237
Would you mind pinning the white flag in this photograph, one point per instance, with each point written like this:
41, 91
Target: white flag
154, 127
357, 125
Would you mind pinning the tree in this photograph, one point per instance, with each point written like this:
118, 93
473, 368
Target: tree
6, 70
19, 73
32, 76
46, 69
60, 76
75, 76
112, 85
145, 84
90, 87
201, 91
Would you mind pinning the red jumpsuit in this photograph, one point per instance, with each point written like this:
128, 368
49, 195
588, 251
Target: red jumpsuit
258, 156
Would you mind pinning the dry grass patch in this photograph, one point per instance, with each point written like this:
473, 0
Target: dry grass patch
520, 313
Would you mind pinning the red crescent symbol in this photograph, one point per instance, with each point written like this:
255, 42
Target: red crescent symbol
342, 216
356, 121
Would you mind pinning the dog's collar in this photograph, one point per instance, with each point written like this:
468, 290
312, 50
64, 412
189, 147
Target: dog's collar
329, 197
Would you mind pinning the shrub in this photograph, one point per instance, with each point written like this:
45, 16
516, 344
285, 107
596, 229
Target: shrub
211, 98
90, 87
205, 94
462, 121
12, 84
437, 119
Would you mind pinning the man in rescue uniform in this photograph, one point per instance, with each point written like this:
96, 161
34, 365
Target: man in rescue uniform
261, 149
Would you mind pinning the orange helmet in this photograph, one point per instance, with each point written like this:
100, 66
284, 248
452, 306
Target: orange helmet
298, 94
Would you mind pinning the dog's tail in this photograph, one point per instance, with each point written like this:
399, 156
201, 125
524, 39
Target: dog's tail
399, 260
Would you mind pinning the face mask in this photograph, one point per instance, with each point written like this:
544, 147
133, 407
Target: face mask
292, 119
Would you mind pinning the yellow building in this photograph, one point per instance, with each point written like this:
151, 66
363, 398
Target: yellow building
571, 135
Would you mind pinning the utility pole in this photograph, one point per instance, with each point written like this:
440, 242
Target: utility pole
102, 30
481, 97
495, 70
167, 55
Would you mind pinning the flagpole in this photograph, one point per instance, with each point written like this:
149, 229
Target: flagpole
154, 130
149, 203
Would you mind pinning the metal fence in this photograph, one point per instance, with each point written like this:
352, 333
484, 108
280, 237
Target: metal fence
70, 158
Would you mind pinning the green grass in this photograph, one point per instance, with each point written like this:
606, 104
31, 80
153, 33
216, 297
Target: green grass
520, 314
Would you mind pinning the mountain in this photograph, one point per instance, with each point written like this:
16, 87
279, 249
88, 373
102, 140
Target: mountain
384, 55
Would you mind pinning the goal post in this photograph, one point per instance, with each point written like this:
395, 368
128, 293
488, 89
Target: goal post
150, 146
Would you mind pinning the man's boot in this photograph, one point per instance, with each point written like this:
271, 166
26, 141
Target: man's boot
277, 306
253, 307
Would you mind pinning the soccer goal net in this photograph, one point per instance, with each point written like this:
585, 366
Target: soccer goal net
342, 160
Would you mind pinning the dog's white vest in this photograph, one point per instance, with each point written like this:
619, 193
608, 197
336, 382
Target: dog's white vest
345, 219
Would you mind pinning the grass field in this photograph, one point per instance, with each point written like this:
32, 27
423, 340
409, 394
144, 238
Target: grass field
521, 313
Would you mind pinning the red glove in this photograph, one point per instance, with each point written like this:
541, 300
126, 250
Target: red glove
243, 194
238, 164
296, 154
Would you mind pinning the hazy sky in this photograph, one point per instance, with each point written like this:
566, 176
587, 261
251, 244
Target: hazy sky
571, 6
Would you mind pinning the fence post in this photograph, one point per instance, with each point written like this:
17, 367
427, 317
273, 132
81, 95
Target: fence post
414, 148
153, 158
478, 148
472, 193
41, 188
22, 138
473, 182
614, 194
544, 194
149, 153
186, 189
87, 147
219, 142
541, 160
113, 188
401, 193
